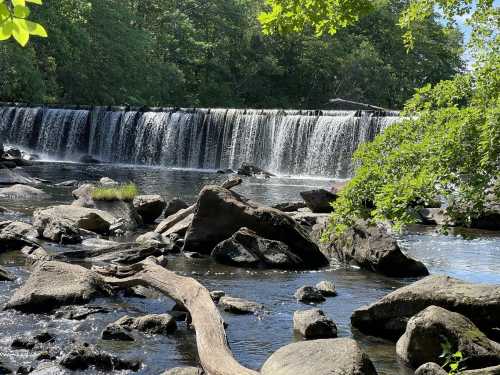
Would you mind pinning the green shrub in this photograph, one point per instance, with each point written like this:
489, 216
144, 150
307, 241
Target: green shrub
125, 193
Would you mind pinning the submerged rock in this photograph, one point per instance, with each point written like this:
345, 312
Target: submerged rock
6, 275
23, 192
320, 357
240, 306
309, 294
116, 333
81, 357
371, 247
53, 284
219, 213
314, 324
79, 312
174, 206
427, 331
246, 249
388, 317
319, 201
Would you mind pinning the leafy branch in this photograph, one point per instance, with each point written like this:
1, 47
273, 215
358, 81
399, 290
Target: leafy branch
14, 21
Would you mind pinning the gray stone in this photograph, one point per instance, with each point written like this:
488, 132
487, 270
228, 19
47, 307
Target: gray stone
320, 357
108, 182
319, 201
327, 288
314, 324
388, 317
14, 235
20, 192
114, 332
163, 324
372, 248
309, 294
54, 284
185, 371
69, 183
252, 170
81, 357
149, 207
174, 206
430, 369
426, 331
289, 206
239, 305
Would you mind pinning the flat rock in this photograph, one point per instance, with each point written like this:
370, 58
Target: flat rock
219, 213
23, 192
309, 294
320, 357
79, 312
10, 177
99, 243
239, 305
372, 248
246, 249
54, 284
149, 207
162, 324
423, 339
389, 316
314, 324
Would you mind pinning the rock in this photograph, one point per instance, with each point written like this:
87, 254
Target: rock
62, 231
99, 243
177, 223
9, 177
319, 201
232, 182
314, 324
435, 216
174, 206
83, 196
69, 183
219, 213
185, 371
430, 369
309, 219
251, 170
217, 295
388, 317
88, 159
23, 343
115, 332
239, 305
371, 247
44, 337
4, 369
192, 255
14, 235
489, 220
327, 288
289, 206
108, 182
320, 357
125, 212
35, 253
79, 312
163, 324
81, 357
72, 216
149, 207
6, 275
20, 192
13, 153
309, 294
429, 329
53, 284
246, 249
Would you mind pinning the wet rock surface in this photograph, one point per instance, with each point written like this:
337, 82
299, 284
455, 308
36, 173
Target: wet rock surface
239, 305
319, 201
314, 324
309, 294
83, 356
149, 207
174, 206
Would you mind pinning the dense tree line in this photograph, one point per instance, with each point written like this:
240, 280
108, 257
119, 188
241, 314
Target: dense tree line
213, 53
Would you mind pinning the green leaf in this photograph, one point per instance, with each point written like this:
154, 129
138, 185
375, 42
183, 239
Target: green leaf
38, 2
36, 29
20, 31
21, 11
18, 3
6, 30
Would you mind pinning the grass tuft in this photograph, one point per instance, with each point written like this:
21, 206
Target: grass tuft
125, 193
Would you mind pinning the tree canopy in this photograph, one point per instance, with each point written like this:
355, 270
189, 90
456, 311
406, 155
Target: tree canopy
198, 53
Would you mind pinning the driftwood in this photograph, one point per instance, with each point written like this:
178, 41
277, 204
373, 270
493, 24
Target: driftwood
213, 349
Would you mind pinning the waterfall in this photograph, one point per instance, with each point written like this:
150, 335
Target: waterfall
310, 143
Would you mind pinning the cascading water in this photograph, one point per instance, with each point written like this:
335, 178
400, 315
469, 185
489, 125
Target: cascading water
283, 142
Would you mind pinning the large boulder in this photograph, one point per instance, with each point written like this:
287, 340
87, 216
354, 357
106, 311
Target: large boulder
149, 207
177, 223
388, 317
81, 357
54, 284
80, 217
426, 331
314, 324
219, 213
20, 192
320, 357
319, 201
371, 247
246, 249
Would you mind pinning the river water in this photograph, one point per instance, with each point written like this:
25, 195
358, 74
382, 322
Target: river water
472, 256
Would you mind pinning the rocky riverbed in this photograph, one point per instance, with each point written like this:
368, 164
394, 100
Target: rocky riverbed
473, 257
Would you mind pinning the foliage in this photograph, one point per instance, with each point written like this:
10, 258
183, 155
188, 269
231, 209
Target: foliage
14, 21
125, 193
194, 53
452, 360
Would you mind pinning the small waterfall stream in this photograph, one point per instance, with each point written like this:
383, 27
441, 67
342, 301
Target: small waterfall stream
309, 143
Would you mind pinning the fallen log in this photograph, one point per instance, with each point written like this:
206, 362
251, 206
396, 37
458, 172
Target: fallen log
213, 349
